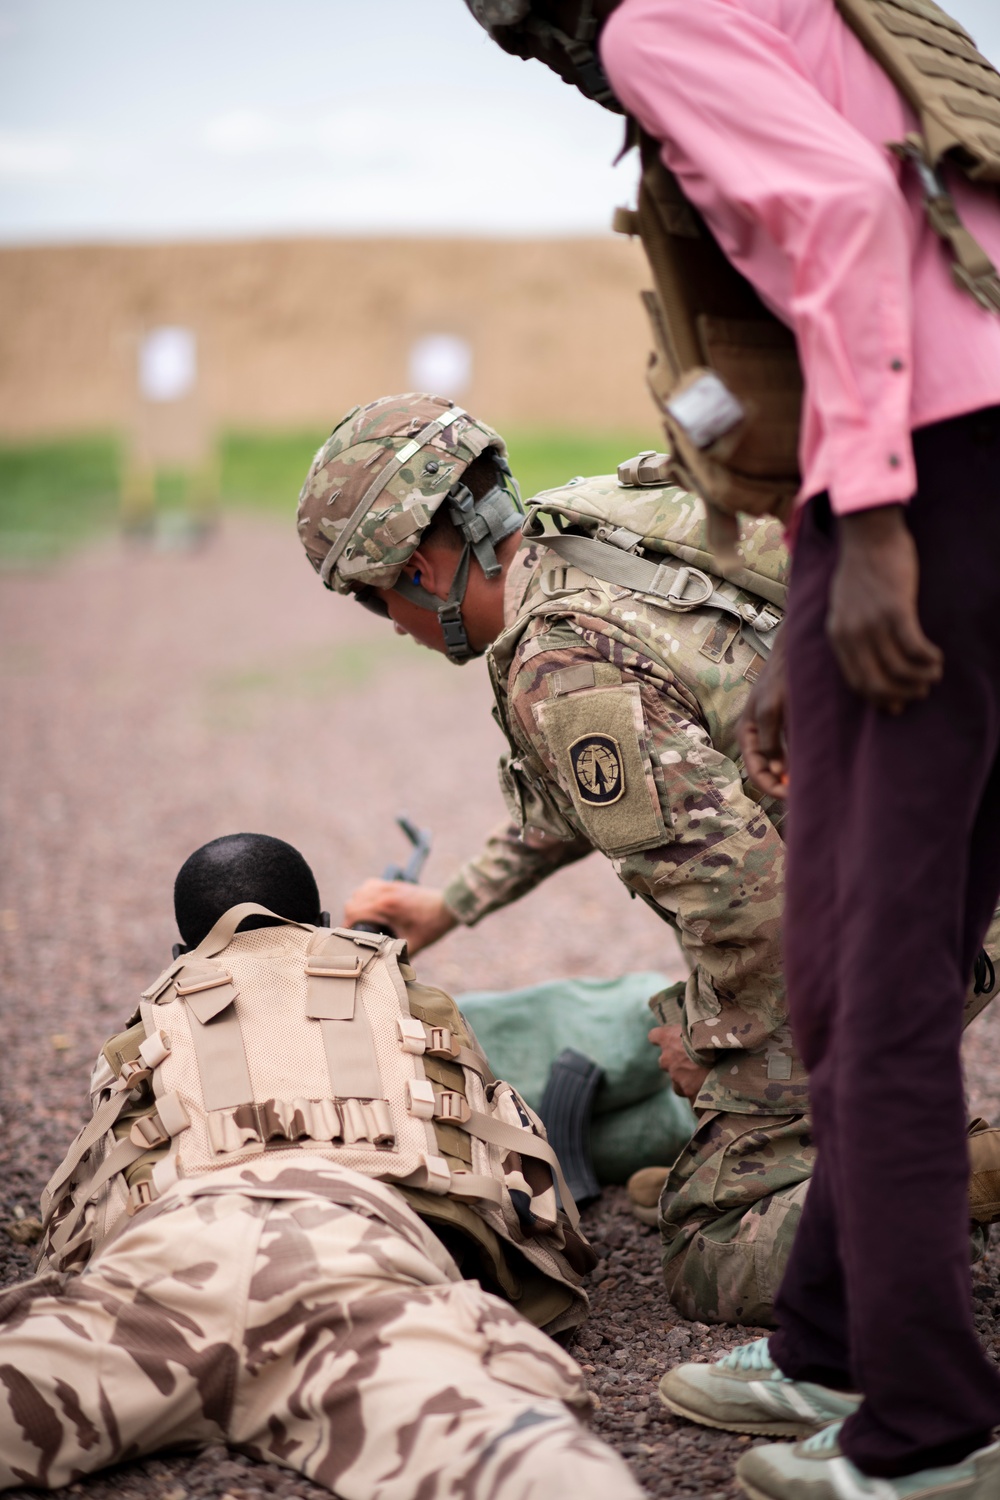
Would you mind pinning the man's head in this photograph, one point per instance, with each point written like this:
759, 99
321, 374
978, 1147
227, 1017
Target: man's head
243, 867
392, 474
562, 34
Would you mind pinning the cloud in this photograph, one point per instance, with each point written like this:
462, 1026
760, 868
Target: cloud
25, 154
243, 132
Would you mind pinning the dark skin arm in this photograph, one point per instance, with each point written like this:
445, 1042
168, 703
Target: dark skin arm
874, 630
873, 623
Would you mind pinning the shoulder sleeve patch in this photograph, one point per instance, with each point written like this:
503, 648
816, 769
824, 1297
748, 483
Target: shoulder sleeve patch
597, 738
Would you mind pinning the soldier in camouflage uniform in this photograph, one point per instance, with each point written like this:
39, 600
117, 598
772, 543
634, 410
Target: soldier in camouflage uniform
301, 1312
579, 666
687, 835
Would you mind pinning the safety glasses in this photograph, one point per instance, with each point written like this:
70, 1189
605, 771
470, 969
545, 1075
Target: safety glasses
371, 601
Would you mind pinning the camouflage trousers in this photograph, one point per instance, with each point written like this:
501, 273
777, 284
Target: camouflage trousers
332, 1337
729, 1212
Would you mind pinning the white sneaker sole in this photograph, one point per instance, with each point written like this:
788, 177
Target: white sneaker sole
752, 1490
764, 1428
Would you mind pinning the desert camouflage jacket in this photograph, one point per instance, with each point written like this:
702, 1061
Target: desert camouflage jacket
621, 716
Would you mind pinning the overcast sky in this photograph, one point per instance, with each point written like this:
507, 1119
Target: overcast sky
130, 119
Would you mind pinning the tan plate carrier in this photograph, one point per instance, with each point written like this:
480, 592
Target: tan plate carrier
651, 537
724, 371
261, 1047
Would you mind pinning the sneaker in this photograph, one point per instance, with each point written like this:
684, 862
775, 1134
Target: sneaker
744, 1391
817, 1470
644, 1188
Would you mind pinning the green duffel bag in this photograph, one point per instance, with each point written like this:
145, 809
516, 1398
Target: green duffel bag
638, 1121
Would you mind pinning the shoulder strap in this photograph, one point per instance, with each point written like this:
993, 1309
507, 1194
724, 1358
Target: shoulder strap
664, 581
335, 962
937, 67
216, 940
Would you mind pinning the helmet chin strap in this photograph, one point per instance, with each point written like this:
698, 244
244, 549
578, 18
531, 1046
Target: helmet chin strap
484, 523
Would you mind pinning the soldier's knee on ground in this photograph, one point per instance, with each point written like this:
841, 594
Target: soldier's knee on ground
728, 1214
728, 1269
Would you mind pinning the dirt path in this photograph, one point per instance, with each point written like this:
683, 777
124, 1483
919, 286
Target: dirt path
153, 701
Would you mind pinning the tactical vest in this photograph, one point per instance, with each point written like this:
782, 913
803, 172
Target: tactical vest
724, 371
287, 1042
624, 553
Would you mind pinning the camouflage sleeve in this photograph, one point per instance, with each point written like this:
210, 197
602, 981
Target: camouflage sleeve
505, 869
639, 774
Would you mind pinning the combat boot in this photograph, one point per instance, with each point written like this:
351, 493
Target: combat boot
744, 1391
816, 1469
644, 1189
984, 1172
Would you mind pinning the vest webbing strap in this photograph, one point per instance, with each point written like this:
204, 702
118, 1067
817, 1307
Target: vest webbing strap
350, 1057
472, 1185
525, 1143
218, 938
659, 580
222, 1060
92, 1132
123, 1155
375, 489
334, 965
333, 1000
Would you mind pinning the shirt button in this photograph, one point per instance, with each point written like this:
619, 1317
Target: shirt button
894, 460
897, 364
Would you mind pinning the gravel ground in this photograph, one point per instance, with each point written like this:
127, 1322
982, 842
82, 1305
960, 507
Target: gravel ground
154, 700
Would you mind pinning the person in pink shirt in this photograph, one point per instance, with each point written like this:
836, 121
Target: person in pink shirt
776, 122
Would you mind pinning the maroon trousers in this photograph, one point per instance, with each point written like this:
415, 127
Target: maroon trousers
893, 875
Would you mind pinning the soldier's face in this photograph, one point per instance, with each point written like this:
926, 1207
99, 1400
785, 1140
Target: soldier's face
409, 619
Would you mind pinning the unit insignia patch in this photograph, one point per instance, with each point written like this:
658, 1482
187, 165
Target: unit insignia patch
597, 765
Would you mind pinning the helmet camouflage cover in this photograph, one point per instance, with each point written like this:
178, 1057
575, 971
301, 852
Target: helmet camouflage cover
385, 439
374, 487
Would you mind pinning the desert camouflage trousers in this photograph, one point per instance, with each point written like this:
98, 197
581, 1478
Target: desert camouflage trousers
332, 1337
729, 1212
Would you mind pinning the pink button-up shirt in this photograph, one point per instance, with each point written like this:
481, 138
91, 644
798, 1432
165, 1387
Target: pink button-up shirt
775, 119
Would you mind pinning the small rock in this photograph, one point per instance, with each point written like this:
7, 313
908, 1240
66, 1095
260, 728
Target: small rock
24, 1231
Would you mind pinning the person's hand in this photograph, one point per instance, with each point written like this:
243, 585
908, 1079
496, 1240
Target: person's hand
761, 730
412, 911
686, 1076
873, 624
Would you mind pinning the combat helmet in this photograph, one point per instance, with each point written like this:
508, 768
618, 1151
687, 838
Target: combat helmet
516, 27
375, 486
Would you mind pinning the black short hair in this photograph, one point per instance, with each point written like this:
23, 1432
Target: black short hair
243, 867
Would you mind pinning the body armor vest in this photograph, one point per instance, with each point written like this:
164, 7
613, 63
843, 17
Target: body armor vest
724, 371
289, 1041
622, 554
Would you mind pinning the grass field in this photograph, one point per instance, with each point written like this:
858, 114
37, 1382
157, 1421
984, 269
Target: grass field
55, 496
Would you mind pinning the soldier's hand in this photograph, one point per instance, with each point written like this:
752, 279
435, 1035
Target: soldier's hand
686, 1076
873, 624
414, 912
761, 730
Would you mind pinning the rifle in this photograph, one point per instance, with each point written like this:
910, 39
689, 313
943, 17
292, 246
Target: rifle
420, 840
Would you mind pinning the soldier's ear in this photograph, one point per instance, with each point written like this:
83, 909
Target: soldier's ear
416, 563
435, 567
